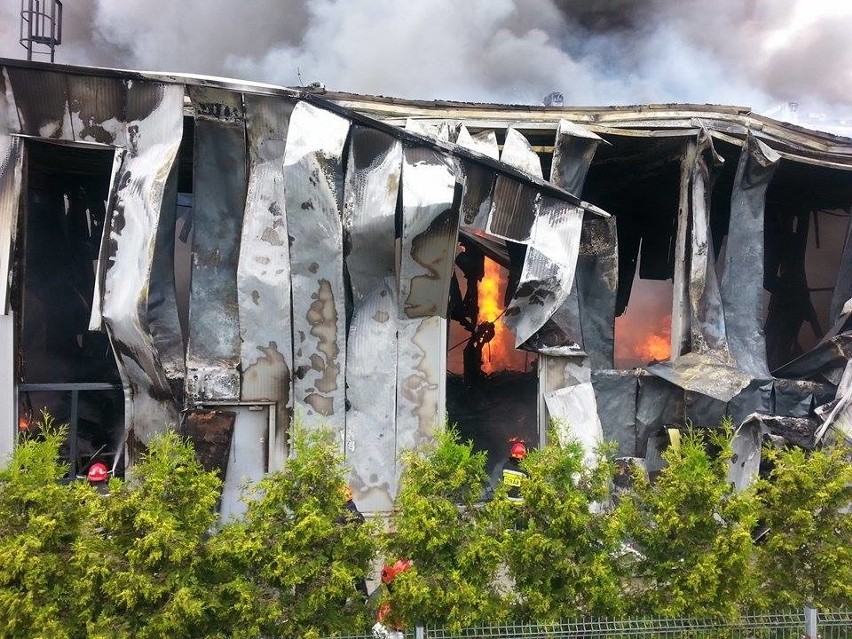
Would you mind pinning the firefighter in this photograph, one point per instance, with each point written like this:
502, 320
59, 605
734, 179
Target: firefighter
388, 630
98, 476
512, 472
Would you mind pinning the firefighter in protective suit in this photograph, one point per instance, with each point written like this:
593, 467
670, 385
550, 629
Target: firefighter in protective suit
512, 472
384, 629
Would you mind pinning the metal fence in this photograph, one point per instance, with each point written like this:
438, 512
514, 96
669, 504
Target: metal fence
800, 625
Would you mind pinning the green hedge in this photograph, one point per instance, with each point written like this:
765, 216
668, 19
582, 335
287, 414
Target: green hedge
150, 559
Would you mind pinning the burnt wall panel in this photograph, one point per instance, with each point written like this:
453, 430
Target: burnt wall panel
98, 109
429, 232
163, 319
742, 282
11, 181
263, 272
213, 349
313, 182
134, 220
615, 394
41, 98
369, 219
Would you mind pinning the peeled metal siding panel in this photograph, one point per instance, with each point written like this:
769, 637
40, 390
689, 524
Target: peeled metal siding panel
707, 318
163, 321
313, 179
597, 284
263, 272
513, 210
518, 152
11, 181
155, 118
9, 120
478, 180
96, 318
430, 224
549, 266
369, 218
681, 317
590, 305
213, 349
742, 281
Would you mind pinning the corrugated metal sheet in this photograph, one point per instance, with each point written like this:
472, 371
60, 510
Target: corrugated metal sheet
42, 101
98, 109
220, 182
549, 266
369, 218
313, 182
263, 271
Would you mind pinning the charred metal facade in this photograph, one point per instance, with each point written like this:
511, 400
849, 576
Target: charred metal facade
244, 255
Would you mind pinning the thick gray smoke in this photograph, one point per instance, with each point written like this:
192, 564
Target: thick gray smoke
750, 52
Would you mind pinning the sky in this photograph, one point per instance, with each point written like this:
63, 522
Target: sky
758, 53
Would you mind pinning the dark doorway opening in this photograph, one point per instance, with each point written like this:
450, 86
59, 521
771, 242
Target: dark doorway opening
61, 366
492, 387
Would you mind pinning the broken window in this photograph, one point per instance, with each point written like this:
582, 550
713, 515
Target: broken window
61, 366
806, 226
636, 179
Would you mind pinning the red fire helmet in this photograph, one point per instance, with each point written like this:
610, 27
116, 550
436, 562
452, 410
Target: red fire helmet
390, 571
97, 472
518, 451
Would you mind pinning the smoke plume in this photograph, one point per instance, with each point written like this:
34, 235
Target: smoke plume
749, 52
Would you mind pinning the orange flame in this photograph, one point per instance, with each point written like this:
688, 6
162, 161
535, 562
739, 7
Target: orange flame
655, 347
500, 353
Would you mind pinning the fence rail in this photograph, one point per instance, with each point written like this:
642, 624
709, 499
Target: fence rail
793, 625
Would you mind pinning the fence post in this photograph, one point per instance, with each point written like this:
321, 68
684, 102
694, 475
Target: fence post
810, 623
419, 632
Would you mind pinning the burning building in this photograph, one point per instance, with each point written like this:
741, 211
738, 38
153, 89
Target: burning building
226, 257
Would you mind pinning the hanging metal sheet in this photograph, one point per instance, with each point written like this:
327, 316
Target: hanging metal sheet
742, 281
11, 181
549, 266
155, 126
163, 321
843, 285
313, 182
369, 215
707, 320
563, 333
263, 270
219, 185
575, 410
477, 180
430, 213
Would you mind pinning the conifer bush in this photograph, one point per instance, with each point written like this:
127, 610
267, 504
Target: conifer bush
145, 557
693, 533
41, 517
562, 544
806, 557
296, 557
448, 536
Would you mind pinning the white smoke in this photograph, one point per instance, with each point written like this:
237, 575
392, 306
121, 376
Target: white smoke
749, 52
